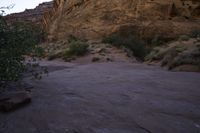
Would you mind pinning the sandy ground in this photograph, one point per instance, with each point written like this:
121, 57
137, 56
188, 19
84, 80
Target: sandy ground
109, 98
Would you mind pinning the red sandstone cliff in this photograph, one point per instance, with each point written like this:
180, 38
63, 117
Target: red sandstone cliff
91, 19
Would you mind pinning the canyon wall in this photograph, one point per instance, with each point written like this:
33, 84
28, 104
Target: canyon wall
31, 16
95, 19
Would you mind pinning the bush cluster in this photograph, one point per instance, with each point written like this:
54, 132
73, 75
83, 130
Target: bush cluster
16, 41
77, 48
133, 43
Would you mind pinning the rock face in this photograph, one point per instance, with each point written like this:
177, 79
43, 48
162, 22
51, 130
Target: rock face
31, 16
89, 19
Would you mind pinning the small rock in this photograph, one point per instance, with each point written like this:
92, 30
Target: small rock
102, 54
109, 59
101, 50
95, 59
13, 100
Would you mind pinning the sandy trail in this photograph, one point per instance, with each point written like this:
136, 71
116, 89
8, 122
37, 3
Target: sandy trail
109, 98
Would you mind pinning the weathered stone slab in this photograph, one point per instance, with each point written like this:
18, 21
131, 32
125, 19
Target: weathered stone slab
12, 100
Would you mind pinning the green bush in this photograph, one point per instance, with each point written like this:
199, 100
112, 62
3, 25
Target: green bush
169, 57
133, 43
158, 40
172, 57
55, 55
77, 48
39, 51
15, 42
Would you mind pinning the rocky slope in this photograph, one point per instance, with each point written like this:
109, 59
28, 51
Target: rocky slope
31, 16
88, 19
181, 55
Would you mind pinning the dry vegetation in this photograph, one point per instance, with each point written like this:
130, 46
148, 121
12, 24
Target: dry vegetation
180, 55
67, 50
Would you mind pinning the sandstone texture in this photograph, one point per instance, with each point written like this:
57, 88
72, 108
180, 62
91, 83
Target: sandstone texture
89, 19
109, 98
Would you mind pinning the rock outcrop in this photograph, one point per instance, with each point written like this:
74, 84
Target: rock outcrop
31, 16
89, 19
12, 100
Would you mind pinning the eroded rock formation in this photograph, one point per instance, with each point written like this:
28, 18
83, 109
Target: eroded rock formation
91, 19
31, 16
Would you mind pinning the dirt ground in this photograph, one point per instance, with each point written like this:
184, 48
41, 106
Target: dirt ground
108, 97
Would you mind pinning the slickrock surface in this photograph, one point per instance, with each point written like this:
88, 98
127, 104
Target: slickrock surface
109, 98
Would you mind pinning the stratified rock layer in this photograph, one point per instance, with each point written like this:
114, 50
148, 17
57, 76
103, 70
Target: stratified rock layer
89, 19
31, 16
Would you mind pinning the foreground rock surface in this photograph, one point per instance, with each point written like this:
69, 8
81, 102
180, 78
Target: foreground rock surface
109, 98
10, 101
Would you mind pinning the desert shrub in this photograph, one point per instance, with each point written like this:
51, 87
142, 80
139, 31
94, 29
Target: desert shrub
180, 48
184, 38
164, 53
95, 59
53, 56
169, 57
161, 54
114, 40
175, 56
15, 42
195, 34
77, 48
131, 42
39, 51
158, 40
71, 38
151, 55
189, 57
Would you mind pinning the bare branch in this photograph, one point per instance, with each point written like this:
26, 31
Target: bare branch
7, 7
3, 8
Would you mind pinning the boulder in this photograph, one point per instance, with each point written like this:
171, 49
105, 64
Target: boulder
10, 101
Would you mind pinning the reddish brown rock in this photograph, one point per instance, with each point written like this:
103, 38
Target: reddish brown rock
90, 19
